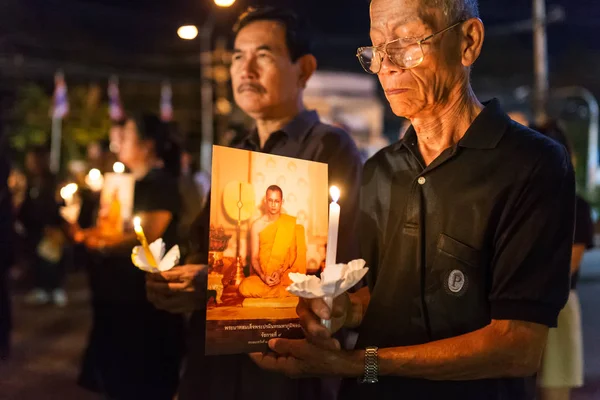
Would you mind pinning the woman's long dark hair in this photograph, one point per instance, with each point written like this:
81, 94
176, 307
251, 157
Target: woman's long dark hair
166, 145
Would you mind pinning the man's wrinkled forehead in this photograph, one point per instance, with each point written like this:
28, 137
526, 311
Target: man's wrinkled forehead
388, 15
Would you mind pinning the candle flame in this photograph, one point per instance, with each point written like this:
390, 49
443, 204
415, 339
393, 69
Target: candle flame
335, 193
68, 191
137, 223
94, 174
94, 180
119, 167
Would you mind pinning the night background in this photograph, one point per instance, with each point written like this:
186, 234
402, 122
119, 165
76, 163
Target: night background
91, 40
137, 41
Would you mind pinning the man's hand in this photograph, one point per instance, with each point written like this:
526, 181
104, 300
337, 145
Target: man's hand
299, 358
179, 290
311, 311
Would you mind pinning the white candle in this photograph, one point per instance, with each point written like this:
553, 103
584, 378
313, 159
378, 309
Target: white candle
332, 239
334, 222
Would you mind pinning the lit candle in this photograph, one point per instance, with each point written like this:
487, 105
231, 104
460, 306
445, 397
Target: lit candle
119, 167
334, 222
68, 192
137, 226
94, 180
332, 239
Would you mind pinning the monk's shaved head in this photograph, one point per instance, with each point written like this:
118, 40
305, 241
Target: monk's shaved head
275, 188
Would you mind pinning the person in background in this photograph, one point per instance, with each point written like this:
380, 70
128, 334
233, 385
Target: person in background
562, 364
41, 227
134, 350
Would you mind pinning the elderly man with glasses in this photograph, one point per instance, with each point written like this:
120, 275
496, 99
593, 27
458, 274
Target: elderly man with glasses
466, 225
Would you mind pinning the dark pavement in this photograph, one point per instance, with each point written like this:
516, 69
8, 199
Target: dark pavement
47, 346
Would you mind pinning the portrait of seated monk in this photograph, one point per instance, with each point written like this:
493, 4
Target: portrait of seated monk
278, 247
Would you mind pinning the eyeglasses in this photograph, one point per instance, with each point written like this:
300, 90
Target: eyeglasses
403, 55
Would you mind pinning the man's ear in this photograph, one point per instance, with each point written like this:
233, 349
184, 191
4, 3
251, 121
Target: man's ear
308, 65
473, 34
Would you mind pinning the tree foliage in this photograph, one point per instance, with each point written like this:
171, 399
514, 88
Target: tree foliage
86, 122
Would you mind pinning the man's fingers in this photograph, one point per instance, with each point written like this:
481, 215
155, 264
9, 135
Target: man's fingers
270, 362
311, 322
320, 308
181, 273
340, 306
312, 310
174, 274
284, 347
290, 366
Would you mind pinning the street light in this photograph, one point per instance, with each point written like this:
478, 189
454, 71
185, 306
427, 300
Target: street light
224, 3
187, 32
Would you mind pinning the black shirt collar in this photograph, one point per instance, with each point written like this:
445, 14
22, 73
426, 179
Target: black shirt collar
484, 133
296, 129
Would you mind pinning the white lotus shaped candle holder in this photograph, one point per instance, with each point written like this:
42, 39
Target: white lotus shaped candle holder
164, 261
335, 280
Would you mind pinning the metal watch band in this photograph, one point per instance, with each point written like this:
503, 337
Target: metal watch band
371, 365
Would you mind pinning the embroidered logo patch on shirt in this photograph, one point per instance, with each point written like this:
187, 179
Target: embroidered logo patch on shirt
457, 282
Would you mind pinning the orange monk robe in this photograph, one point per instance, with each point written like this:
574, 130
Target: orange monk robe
281, 245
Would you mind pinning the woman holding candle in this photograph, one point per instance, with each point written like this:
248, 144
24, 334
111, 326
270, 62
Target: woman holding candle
135, 350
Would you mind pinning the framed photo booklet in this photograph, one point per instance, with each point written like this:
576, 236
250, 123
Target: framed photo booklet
269, 218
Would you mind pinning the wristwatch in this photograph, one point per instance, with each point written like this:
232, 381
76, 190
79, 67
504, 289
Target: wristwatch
371, 365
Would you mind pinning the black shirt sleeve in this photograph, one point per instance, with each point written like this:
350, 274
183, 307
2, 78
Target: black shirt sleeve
531, 261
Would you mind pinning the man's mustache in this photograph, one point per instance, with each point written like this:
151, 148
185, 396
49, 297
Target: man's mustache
256, 87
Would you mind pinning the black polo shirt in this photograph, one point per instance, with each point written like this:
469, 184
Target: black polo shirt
484, 232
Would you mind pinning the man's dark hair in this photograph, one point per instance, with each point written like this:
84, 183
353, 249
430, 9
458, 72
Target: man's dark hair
297, 31
275, 188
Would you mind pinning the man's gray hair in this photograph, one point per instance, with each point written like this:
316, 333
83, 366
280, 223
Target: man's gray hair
455, 10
